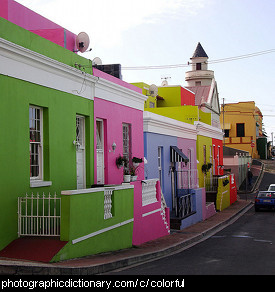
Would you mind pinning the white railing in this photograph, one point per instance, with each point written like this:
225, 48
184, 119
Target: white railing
185, 206
149, 192
39, 215
187, 179
211, 184
108, 192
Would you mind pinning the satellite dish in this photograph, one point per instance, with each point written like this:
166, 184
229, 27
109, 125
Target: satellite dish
164, 83
153, 90
96, 61
82, 42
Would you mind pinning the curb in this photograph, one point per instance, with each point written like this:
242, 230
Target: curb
29, 268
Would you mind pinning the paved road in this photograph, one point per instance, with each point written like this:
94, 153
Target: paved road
246, 247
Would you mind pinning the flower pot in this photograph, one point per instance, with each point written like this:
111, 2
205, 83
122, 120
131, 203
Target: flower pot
133, 177
127, 178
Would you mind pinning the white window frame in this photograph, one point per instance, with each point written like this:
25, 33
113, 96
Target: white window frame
160, 171
37, 181
127, 139
34, 120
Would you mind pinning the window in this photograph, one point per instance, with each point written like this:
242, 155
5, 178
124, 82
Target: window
226, 133
198, 83
240, 130
198, 66
204, 154
36, 143
160, 165
151, 104
126, 128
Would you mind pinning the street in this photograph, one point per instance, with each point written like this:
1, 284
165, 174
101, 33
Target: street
247, 247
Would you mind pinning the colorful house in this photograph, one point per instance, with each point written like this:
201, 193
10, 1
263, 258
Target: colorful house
119, 132
43, 118
242, 124
170, 152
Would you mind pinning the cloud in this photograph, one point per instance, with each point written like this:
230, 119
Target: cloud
106, 20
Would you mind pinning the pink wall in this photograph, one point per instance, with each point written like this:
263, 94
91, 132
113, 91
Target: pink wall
114, 115
32, 21
148, 227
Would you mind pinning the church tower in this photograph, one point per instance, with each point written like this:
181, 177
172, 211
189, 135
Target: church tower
200, 75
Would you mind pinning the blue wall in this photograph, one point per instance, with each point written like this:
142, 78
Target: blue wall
197, 217
151, 143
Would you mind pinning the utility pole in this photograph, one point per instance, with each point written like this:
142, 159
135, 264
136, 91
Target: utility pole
223, 121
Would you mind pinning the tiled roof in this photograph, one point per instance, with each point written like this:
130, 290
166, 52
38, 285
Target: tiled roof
201, 93
199, 52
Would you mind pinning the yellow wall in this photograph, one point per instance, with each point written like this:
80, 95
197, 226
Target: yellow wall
201, 141
171, 95
145, 91
242, 112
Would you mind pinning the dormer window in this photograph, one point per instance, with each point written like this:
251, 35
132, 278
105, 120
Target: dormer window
198, 66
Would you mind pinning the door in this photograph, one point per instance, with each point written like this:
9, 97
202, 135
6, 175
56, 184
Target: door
80, 152
100, 151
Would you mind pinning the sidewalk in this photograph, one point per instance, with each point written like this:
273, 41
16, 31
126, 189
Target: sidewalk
176, 241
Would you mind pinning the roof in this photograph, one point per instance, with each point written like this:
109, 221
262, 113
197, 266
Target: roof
199, 52
177, 155
201, 93
229, 151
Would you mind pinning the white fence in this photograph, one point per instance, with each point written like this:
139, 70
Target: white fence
149, 192
108, 192
39, 215
187, 179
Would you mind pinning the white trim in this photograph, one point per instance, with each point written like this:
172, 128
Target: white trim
74, 241
208, 131
152, 212
24, 64
39, 183
155, 123
116, 93
96, 190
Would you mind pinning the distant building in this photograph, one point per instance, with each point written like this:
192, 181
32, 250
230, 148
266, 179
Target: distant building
242, 124
202, 82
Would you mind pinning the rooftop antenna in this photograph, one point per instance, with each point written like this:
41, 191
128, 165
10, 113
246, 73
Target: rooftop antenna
96, 61
153, 90
82, 42
165, 82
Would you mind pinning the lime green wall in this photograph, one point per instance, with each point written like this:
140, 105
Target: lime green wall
150, 99
187, 113
59, 129
74, 226
171, 95
223, 194
201, 141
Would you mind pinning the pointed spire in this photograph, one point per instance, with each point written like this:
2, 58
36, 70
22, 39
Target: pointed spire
199, 52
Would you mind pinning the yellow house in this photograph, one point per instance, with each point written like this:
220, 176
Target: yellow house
242, 124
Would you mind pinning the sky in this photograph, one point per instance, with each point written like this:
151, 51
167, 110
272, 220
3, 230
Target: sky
166, 32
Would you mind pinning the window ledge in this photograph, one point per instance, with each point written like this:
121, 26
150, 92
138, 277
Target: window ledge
40, 183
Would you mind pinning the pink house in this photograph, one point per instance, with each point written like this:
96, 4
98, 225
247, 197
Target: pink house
32, 21
118, 122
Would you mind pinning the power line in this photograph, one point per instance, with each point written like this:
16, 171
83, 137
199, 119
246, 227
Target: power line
229, 59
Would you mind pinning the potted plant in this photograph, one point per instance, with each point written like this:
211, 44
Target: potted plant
133, 174
121, 161
205, 167
136, 161
126, 176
